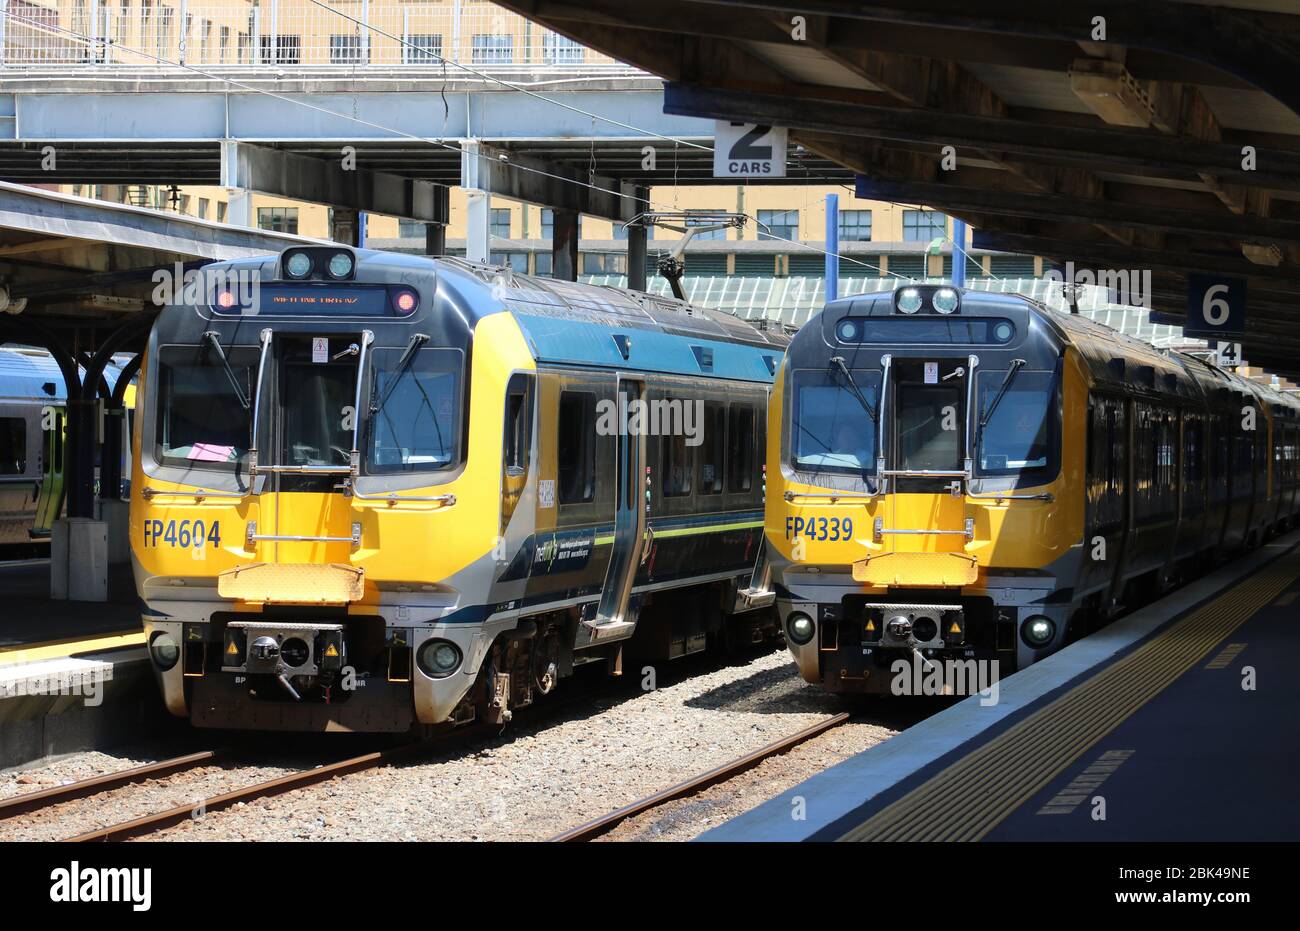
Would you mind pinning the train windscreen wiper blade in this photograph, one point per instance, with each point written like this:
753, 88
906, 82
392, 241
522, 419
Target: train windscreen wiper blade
1016, 366
408, 355
853, 385
212, 337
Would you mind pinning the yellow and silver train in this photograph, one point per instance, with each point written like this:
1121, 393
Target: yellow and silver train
377, 492
960, 475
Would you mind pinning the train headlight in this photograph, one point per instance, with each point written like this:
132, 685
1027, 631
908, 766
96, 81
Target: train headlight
438, 658
944, 300
298, 265
909, 300
340, 265
1038, 631
800, 628
164, 649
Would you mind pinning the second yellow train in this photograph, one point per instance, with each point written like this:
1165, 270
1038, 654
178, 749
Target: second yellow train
962, 481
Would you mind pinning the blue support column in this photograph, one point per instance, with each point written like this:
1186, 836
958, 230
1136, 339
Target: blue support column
958, 253
832, 246
361, 229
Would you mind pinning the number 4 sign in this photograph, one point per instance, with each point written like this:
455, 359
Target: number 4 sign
1216, 307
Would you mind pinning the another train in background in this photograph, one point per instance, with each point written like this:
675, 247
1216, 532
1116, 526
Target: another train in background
964, 476
33, 401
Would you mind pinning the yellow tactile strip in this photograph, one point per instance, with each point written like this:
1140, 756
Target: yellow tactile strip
73, 646
974, 794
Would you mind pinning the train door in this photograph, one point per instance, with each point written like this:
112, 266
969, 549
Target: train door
310, 421
926, 455
629, 518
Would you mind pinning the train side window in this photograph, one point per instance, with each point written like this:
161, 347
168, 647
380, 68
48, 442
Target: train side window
576, 439
517, 427
13, 446
740, 448
712, 448
1192, 450
677, 465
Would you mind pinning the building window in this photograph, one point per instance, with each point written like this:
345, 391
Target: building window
410, 229
493, 50
604, 263
499, 223
715, 234
421, 49
923, 225
548, 224
515, 261
225, 44
855, 226
288, 49
278, 219
203, 208
221, 212
543, 263
345, 50
779, 224
559, 50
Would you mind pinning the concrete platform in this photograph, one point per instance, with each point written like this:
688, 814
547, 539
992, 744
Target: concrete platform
74, 676
1148, 730
29, 616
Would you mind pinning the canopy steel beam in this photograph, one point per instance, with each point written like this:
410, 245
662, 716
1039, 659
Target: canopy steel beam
298, 177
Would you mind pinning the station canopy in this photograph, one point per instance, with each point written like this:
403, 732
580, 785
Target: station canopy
1160, 136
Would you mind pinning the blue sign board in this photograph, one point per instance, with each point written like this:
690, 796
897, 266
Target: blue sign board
1216, 307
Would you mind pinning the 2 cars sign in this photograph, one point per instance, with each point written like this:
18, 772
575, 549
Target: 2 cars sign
748, 150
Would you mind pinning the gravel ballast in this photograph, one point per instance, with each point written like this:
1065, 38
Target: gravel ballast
545, 773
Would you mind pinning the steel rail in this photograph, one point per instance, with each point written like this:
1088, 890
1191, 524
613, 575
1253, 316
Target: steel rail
606, 823
147, 824
45, 798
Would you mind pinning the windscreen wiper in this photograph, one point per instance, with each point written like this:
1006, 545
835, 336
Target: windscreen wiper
1016, 366
853, 385
418, 340
212, 337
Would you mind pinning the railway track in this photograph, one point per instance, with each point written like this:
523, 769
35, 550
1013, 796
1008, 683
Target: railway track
157, 821
605, 823
47, 798
153, 822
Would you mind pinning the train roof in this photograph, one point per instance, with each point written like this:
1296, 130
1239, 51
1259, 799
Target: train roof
564, 322
1112, 357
